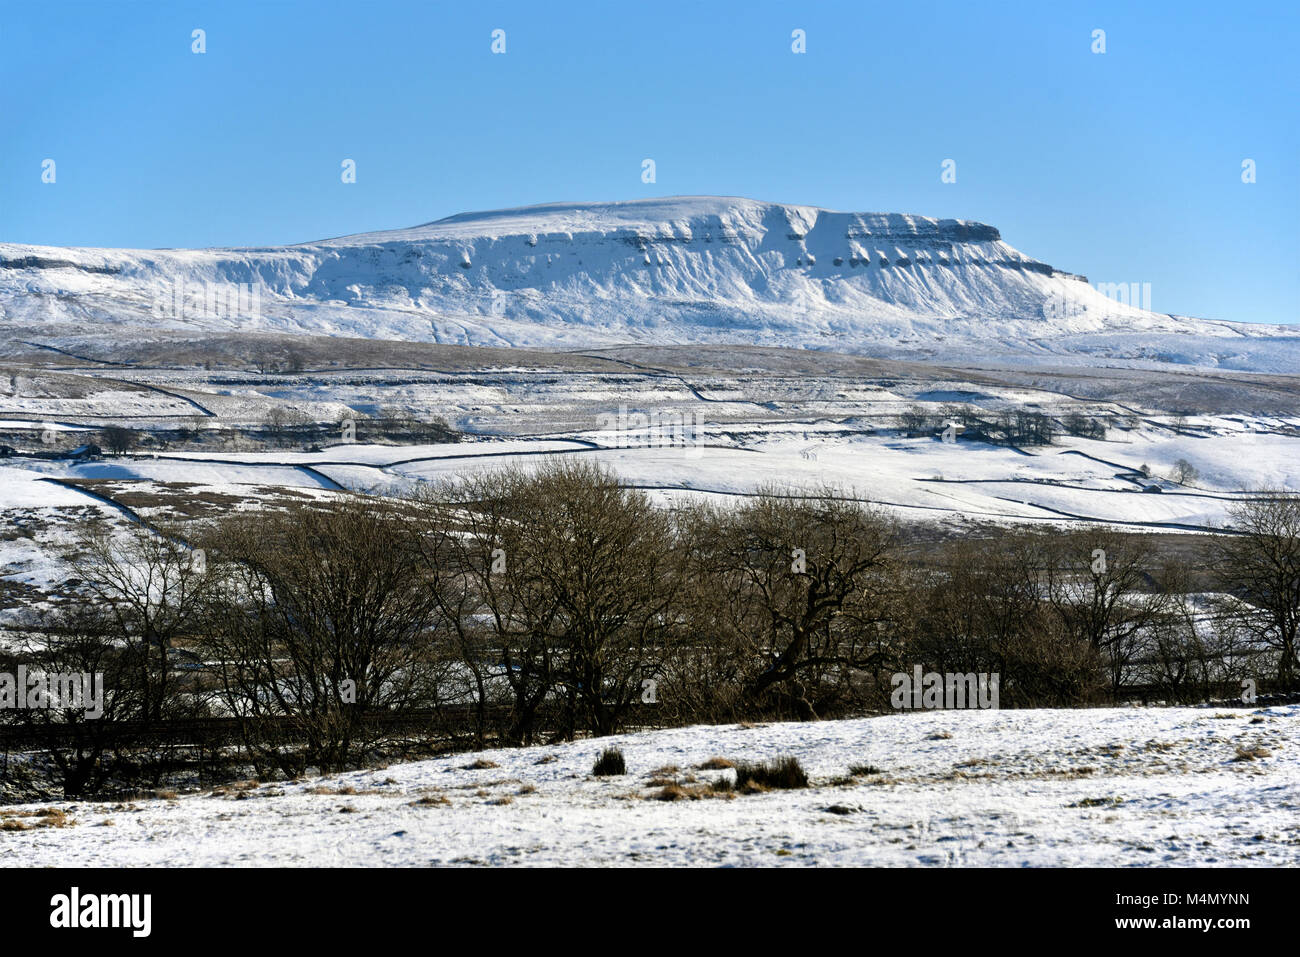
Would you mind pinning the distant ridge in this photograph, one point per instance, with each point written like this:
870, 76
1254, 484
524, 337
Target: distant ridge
705, 269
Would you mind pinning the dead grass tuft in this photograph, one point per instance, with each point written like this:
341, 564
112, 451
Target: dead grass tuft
432, 800
610, 763
716, 764
1251, 754
1098, 802
33, 820
678, 792
783, 773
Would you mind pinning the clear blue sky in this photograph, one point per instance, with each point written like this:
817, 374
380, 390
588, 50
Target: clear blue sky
1125, 166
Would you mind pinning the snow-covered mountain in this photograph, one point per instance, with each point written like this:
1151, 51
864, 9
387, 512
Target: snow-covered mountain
687, 269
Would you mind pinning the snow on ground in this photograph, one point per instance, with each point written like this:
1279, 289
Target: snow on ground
1072, 480
22, 488
381, 455
1126, 787
162, 470
33, 425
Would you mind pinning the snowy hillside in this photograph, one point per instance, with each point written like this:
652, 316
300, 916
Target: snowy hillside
680, 270
1100, 787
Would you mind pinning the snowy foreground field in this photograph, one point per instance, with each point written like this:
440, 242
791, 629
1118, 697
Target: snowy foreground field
1119, 787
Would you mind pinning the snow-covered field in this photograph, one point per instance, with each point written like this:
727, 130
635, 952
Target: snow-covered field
1124, 787
758, 418
1073, 479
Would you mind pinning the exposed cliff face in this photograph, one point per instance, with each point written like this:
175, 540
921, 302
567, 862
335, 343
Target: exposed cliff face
739, 259
692, 269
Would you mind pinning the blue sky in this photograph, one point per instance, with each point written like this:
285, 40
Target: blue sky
1124, 166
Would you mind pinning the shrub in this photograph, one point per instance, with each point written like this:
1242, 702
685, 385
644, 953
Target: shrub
610, 762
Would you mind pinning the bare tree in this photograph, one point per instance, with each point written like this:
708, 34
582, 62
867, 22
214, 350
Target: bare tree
282, 422
1260, 569
152, 587
1184, 472
474, 545
985, 609
81, 740
1078, 424
914, 420
323, 623
117, 439
1102, 586
802, 584
578, 579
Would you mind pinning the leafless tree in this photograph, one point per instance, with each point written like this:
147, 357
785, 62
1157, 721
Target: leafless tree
985, 608
914, 420
1184, 472
1102, 585
322, 626
802, 584
577, 580
282, 422
152, 587
82, 640
1260, 570
117, 439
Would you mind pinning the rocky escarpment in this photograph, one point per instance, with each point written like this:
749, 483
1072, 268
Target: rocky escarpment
676, 270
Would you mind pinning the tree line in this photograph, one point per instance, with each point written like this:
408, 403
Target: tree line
556, 602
